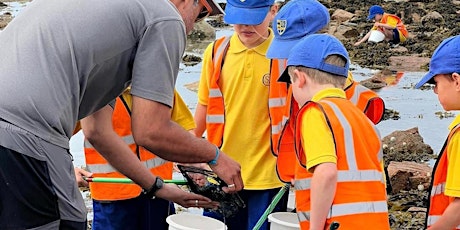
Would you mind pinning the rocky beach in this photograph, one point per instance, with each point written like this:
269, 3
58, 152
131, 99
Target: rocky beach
415, 125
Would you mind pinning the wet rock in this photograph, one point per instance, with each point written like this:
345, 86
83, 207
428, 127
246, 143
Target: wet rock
202, 31
406, 209
342, 15
3, 4
444, 114
408, 175
5, 19
406, 145
192, 86
391, 114
190, 59
433, 18
409, 63
377, 81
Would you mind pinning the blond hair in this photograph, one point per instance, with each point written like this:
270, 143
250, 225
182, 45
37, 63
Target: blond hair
322, 77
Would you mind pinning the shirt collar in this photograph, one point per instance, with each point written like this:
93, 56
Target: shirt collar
329, 92
455, 122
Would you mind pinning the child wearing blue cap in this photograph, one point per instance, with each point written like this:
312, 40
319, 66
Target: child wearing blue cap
295, 20
232, 105
389, 24
444, 73
338, 174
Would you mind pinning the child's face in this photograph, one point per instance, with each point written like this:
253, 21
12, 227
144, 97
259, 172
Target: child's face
448, 90
378, 17
253, 35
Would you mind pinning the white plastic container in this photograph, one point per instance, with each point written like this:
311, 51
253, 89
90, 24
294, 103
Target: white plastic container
186, 221
376, 36
283, 221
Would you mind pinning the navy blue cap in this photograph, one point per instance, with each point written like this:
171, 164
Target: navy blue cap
295, 20
247, 12
445, 60
374, 10
312, 51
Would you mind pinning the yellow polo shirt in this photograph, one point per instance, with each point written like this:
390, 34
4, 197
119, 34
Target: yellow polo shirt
244, 84
317, 140
453, 168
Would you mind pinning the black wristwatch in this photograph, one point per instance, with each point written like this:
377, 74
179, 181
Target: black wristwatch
155, 187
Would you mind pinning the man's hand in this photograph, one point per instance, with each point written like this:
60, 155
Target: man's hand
185, 199
79, 174
230, 172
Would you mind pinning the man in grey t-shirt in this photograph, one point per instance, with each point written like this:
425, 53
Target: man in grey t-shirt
64, 60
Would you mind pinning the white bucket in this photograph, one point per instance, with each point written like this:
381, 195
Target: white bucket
283, 221
376, 36
185, 221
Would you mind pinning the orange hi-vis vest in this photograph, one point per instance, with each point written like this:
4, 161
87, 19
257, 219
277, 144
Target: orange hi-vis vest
400, 26
367, 101
360, 199
215, 118
277, 103
438, 201
96, 164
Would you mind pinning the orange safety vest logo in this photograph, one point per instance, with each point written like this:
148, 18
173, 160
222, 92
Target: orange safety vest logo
360, 198
96, 164
438, 200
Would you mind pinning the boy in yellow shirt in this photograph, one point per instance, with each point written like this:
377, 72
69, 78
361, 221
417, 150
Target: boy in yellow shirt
444, 203
233, 105
389, 24
338, 175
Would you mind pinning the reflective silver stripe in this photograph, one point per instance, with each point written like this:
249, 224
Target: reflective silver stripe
350, 209
129, 139
438, 189
276, 128
215, 93
282, 65
107, 168
276, 102
345, 176
432, 219
220, 51
359, 89
348, 137
215, 119
360, 176
302, 184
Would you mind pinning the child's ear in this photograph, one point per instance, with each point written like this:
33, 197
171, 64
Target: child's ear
301, 77
456, 78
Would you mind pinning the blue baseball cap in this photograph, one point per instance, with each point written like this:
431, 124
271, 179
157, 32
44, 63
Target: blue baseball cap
247, 12
445, 60
312, 51
374, 10
294, 21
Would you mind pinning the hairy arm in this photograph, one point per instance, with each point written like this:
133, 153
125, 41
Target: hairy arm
154, 130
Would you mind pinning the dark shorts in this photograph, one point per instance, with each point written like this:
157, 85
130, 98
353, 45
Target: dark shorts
396, 38
140, 213
27, 197
256, 202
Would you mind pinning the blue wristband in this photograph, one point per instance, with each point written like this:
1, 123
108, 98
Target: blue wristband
214, 161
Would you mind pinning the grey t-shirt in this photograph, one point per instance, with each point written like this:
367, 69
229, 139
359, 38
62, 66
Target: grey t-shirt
61, 60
